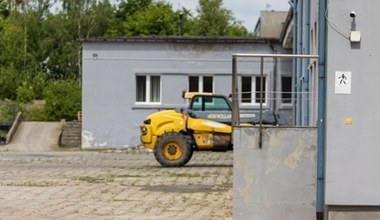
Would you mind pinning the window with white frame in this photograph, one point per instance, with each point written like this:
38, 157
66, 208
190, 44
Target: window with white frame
250, 90
201, 84
148, 89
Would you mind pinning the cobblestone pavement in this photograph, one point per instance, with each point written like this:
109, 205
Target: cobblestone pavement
113, 185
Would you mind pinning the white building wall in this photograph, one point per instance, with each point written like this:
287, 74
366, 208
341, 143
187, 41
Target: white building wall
111, 116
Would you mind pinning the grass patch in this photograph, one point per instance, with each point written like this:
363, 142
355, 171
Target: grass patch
188, 175
105, 178
127, 176
95, 179
33, 184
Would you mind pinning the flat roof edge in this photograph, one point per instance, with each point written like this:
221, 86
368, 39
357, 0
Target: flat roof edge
182, 39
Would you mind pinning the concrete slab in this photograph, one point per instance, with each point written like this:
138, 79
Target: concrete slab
276, 181
354, 215
36, 137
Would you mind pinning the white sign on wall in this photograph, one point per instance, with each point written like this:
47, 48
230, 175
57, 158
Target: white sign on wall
343, 82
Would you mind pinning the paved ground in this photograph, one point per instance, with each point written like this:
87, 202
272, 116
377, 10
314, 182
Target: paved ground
112, 185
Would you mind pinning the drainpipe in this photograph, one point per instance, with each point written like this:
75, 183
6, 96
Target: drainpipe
306, 65
321, 109
274, 85
293, 4
299, 64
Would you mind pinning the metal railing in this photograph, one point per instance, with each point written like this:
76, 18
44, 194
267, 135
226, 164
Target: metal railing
8, 113
235, 87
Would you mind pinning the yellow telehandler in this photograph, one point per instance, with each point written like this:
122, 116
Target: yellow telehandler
205, 125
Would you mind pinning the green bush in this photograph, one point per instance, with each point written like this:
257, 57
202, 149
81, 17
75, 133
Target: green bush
25, 93
8, 83
39, 82
7, 111
36, 113
3, 136
32, 111
63, 100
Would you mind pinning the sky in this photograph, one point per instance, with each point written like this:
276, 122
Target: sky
246, 11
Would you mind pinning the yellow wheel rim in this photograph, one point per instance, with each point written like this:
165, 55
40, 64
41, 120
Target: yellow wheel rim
172, 151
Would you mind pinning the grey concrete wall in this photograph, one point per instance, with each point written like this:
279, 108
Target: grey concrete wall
278, 180
111, 117
354, 213
352, 164
352, 130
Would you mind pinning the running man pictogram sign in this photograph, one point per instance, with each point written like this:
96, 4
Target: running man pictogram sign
342, 82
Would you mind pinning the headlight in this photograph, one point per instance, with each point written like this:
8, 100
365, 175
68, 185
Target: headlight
144, 131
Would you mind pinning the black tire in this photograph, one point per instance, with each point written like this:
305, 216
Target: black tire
173, 150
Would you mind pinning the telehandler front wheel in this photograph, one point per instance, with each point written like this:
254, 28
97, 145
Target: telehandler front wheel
173, 150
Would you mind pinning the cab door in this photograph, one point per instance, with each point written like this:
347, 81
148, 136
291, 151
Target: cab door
215, 108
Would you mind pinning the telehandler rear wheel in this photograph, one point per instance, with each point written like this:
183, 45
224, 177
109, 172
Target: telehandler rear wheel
173, 150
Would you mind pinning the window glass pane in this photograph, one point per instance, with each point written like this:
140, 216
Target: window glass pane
216, 104
286, 89
140, 88
258, 89
246, 89
197, 103
207, 84
155, 89
193, 84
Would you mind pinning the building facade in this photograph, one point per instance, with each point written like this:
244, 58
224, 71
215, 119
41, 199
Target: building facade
301, 29
125, 79
344, 34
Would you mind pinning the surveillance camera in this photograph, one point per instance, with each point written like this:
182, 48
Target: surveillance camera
353, 14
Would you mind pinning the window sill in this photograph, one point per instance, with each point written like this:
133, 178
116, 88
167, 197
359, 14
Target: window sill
252, 105
284, 106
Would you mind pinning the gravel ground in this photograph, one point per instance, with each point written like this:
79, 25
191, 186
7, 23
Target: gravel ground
126, 184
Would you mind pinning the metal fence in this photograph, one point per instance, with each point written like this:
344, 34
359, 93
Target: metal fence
297, 100
285, 103
8, 113
297, 105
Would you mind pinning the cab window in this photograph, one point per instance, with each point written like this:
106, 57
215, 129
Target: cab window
210, 103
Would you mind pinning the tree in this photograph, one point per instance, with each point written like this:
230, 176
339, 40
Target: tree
237, 30
4, 12
215, 20
78, 19
185, 21
60, 48
103, 21
25, 93
63, 100
9, 81
157, 19
40, 49
22, 34
130, 7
